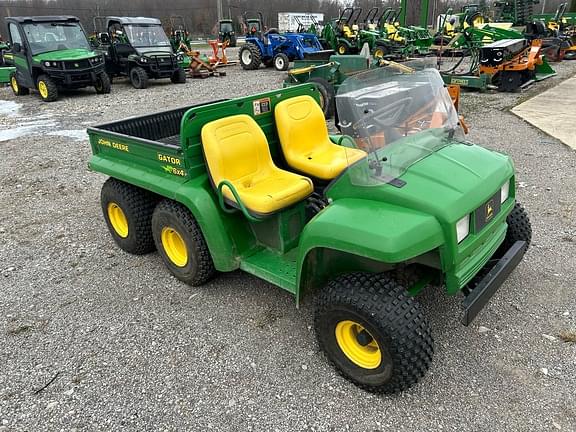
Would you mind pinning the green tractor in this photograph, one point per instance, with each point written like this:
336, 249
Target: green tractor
51, 53
138, 48
226, 32
179, 34
5, 71
361, 221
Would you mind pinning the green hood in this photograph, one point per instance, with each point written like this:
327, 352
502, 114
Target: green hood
68, 54
448, 183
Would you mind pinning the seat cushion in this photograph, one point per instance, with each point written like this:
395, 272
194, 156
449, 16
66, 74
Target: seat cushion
305, 141
236, 150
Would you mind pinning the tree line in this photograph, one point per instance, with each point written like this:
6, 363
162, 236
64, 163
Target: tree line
200, 16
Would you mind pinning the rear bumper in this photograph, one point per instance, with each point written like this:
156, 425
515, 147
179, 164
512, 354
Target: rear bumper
489, 284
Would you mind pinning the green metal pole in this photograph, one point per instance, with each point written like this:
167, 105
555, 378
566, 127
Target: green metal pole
424, 6
403, 4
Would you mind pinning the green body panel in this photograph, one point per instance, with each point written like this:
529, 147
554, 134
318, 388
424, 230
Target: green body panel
5, 73
62, 55
470, 81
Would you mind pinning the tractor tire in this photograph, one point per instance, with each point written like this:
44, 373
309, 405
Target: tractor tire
380, 51
342, 49
138, 77
373, 332
16, 87
281, 62
181, 244
179, 76
250, 57
47, 88
128, 213
519, 227
327, 95
103, 84
508, 81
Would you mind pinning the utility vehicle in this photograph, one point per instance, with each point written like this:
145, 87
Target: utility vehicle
51, 53
362, 221
138, 48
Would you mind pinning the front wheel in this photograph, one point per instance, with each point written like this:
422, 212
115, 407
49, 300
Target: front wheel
373, 332
281, 62
16, 87
103, 84
181, 244
47, 88
519, 227
138, 77
342, 49
179, 76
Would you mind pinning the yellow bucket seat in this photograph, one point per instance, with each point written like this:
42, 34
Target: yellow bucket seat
236, 150
305, 141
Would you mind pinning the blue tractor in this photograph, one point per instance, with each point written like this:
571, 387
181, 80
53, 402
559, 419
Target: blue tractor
274, 49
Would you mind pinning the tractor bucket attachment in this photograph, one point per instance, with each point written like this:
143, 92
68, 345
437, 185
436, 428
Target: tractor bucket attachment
318, 55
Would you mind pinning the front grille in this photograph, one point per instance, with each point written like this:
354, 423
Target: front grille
77, 64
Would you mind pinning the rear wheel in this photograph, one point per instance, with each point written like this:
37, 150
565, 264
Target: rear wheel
16, 87
327, 95
103, 84
179, 76
508, 81
138, 77
128, 213
181, 244
47, 88
281, 62
373, 332
250, 57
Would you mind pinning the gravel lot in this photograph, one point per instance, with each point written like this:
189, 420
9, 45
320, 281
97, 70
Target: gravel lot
125, 346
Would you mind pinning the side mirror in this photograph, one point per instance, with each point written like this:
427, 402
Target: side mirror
104, 38
16, 47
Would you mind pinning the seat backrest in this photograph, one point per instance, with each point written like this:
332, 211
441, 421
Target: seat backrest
301, 126
235, 149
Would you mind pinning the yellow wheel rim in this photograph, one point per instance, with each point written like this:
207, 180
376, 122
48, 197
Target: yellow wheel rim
43, 89
342, 49
14, 84
118, 220
174, 246
379, 53
358, 344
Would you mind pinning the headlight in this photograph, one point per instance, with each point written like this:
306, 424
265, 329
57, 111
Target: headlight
47, 64
180, 57
143, 60
504, 191
463, 228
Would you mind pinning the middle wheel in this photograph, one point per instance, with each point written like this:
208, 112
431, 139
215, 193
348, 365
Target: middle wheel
181, 244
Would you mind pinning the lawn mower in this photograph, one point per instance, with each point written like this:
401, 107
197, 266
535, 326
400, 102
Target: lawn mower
52, 53
341, 34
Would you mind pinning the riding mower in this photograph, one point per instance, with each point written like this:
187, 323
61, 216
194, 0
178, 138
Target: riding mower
137, 48
341, 34
278, 50
50, 54
415, 40
359, 223
226, 32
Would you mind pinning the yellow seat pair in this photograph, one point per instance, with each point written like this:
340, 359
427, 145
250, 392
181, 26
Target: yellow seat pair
237, 151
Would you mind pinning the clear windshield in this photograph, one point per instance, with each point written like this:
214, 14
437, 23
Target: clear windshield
141, 36
398, 114
45, 37
226, 27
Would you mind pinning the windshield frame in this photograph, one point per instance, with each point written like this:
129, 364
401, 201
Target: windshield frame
130, 35
31, 44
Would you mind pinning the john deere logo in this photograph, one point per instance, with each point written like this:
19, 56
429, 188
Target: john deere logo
489, 211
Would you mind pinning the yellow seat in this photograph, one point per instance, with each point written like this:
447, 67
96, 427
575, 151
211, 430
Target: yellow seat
236, 150
305, 141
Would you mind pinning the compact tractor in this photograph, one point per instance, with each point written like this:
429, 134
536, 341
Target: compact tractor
226, 32
341, 34
274, 49
137, 48
361, 222
52, 53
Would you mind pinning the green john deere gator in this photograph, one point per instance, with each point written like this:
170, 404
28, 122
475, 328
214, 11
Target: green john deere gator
51, 53
361, 221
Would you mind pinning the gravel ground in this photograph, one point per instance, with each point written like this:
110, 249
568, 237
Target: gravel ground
95, 339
